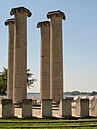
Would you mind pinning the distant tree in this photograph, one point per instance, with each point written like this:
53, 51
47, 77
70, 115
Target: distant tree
94, 93
75, 92
3, 80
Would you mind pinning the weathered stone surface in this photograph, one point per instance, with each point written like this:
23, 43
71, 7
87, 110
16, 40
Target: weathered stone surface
77, 106
45, 59
46, 108
43, 24
65, 109
27, 108
7, 108
24, 10
93, 105
56, 55
85, 107
82, 107
20, 53
57, 13
10, 23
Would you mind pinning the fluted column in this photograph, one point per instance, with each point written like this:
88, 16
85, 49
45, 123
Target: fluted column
44, 59
10, 23
20, 53
56, 55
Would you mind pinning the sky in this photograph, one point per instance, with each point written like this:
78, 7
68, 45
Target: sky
79, 40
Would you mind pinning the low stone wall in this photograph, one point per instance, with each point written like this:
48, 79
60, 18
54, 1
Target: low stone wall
68, 107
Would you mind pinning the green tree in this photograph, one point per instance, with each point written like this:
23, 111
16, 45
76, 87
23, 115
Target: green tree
3, 80
30, 79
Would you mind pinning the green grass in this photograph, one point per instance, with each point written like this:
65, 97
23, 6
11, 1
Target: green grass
48, 124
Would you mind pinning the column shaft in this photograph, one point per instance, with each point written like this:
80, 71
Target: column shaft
10, 22
20, 59
45, 60
20, 54
56, 55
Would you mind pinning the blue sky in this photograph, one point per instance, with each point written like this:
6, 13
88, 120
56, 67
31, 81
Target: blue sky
79, 39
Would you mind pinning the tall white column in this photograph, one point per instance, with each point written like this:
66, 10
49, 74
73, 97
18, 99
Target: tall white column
56, 55
20, 53
10, 23
44, 59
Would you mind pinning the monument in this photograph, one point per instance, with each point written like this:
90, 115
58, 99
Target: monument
10, 23
51, 78
56, 55
44, 59
20, 53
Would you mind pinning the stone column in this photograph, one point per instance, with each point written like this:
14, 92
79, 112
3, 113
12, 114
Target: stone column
10, 23
56, 55
20, 53
45, 59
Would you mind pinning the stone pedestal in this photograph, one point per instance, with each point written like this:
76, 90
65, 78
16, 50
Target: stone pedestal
77, 105
93, 106
82, 107
44, 59
65, 109
20, 53
7, 108
85, 107
27, 108
56, 55
10, 23
46, 108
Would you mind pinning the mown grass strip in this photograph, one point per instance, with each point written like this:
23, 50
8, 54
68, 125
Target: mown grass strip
41, 124
48, 123
44, 121
61, 126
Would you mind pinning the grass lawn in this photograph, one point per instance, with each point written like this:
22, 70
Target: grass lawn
48, 124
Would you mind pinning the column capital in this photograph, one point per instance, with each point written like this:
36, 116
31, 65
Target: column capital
43, 23
14, 11
8, 21
57, 13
